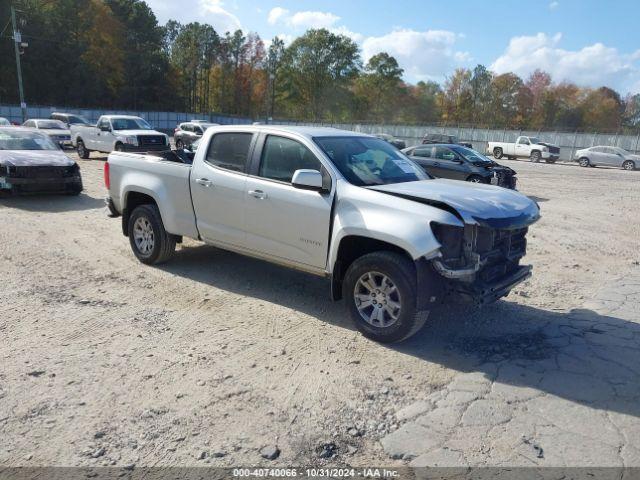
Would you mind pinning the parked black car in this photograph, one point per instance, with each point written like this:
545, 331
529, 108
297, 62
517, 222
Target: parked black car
460, 163
433, 138
396, 142
30, 162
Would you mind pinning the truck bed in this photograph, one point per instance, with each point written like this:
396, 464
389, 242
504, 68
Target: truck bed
161, 176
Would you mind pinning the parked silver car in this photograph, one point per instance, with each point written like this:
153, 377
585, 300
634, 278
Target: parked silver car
57, 131
608, 156
187, 133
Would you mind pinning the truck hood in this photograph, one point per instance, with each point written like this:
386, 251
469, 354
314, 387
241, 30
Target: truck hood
474, 203
136, 132
547, 144
34, 158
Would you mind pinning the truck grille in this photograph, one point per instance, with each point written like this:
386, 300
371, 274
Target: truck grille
153, 141
498, 251
554, 150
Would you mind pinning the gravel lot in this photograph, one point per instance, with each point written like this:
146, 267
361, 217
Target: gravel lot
212, 357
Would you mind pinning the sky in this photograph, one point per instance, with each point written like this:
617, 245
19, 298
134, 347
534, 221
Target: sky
591, 43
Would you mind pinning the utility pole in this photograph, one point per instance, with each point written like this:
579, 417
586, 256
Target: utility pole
17, 40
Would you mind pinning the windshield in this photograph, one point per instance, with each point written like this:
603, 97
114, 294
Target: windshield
535, 140
366, 161
51, 125
471, 155
129, 124
21, 140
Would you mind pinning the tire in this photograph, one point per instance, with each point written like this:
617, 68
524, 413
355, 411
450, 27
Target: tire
497, 153
119, 147
150, 242
535, 156
629, 165
83, 153
179, 144
584, 162
475, 179
400, 272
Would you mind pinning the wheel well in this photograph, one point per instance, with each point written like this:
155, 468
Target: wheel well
134, 199
351, 248
535, 150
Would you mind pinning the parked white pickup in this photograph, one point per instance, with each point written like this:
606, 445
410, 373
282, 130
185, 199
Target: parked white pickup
121, 133
525, 147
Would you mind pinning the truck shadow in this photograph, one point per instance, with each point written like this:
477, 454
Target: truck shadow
52, 203
580, 355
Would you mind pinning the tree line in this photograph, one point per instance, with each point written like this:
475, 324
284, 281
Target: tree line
114, 54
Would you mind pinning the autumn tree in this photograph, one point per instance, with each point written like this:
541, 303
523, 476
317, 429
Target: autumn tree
318, 69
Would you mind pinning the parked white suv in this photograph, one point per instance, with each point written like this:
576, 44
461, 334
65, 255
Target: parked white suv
393, 241
123, 133
524, 147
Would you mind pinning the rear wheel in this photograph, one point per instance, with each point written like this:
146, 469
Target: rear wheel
82, 150
629, 165
150, 242
380, 294
535, 156
584, 162
497, 153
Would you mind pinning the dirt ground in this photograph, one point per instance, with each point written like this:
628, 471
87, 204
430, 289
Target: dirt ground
213, 356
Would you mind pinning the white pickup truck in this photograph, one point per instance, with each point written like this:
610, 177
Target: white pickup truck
123, 133
525, 147
393, 241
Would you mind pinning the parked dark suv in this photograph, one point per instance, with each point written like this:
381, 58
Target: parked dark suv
396, 142
460, 163
432, 138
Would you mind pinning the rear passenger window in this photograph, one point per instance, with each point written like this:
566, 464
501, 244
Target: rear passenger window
230, 151
281, 157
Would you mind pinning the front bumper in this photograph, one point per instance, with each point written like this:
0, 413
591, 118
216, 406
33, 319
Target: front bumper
42, 185
482, 293
550, 156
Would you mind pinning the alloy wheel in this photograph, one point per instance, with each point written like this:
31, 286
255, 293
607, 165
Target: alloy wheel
377, 299
143, 235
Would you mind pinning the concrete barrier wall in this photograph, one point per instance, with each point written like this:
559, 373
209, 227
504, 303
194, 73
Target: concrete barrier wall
568, 142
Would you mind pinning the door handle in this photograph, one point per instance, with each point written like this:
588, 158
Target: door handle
258, 194
205, 182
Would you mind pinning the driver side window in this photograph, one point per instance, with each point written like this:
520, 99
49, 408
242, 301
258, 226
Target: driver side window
523, 141
281, 157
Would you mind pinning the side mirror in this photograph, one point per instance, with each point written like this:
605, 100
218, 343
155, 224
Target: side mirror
307, 180
105, 128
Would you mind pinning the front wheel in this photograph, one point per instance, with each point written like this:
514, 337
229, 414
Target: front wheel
535, 156
475, 179
119, 147
584, 162
629, 165
379, 289
150, 242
